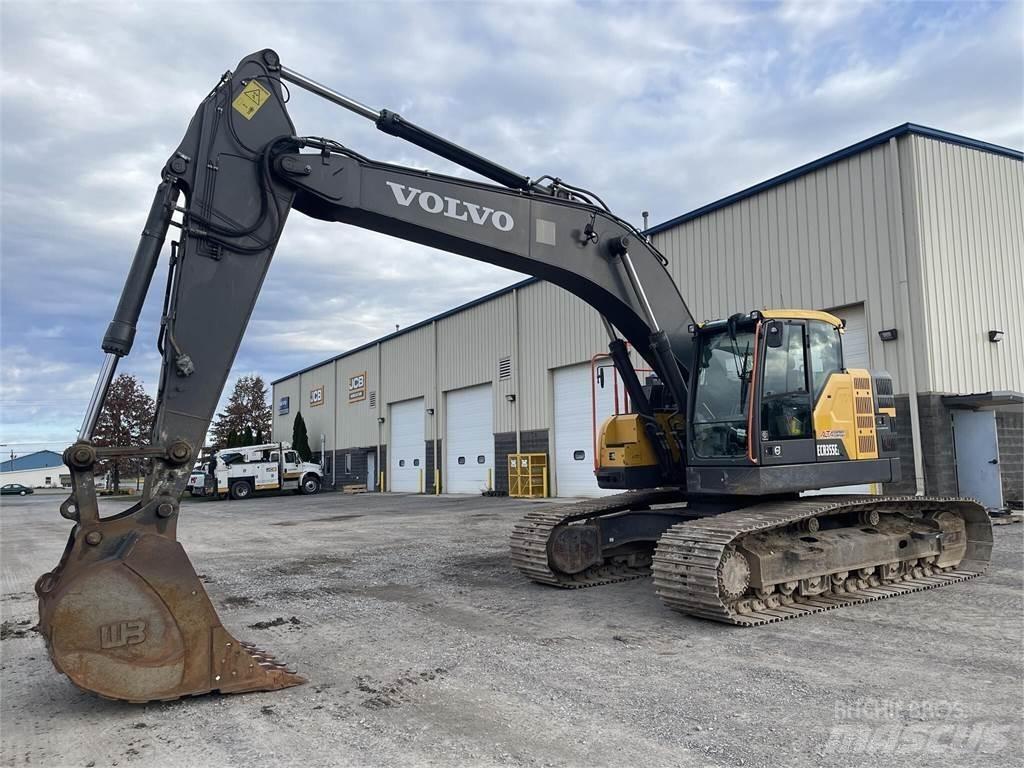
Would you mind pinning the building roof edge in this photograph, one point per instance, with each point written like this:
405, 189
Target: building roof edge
841, 154
415, 326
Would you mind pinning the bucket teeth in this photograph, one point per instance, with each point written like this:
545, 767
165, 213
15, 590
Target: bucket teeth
245, 667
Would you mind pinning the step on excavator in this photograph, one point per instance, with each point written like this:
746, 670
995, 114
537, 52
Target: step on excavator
735, 420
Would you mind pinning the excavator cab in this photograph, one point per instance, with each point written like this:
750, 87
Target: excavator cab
773, 409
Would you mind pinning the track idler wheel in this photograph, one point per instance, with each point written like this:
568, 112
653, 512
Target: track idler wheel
574, 548
134, 623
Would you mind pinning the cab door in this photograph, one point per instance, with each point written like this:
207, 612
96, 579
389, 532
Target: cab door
785, 414
291, 470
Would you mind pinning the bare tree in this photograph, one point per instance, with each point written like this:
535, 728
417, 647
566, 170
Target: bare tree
248, 413
126, 419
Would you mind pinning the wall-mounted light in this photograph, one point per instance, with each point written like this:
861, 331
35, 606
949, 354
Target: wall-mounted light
995, 336
430, 411
510, 398
889, 334
380, 419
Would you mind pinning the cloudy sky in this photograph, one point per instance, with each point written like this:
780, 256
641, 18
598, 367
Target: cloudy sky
655, 106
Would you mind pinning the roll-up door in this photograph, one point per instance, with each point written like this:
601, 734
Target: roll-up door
407, 451
574, 428
469, 440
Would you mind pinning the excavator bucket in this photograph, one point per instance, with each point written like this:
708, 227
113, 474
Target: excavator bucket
125, 616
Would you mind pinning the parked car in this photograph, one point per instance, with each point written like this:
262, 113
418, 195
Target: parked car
14, 489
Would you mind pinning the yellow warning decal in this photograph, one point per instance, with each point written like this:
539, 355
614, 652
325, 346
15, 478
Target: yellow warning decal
252, 97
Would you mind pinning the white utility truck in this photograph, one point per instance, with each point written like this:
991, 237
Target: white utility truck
239, 472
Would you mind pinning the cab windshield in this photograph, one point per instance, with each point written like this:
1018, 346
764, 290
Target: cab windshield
723, 393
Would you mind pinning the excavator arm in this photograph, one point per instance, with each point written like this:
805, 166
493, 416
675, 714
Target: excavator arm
124, 614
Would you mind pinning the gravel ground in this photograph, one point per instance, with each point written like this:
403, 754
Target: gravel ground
423, 647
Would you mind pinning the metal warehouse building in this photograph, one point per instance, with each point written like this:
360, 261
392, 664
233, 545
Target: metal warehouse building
913, 236
40, 469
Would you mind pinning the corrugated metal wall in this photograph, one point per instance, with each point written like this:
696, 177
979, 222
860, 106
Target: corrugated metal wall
319, 418
820, 241
407, 371
969, 228
469, 346
282, 424
555, 329
357, 421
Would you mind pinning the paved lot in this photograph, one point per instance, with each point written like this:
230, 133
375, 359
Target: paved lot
423, 647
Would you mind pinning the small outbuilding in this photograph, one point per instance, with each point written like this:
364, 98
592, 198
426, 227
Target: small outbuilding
41, 469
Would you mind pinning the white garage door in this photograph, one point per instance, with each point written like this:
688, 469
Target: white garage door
855, 355
469, 439
855, 340
574, 429
407, 452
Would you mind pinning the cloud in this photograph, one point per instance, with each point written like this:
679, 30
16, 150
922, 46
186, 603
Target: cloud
654, 106
807, 18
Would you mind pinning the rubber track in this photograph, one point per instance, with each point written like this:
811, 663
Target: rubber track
529, 541
688, 555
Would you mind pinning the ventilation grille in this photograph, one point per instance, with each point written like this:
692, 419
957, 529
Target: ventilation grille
883, 391
888, 440
866, 444
861, 382
505, 369
373, 399
865, 422
864, 405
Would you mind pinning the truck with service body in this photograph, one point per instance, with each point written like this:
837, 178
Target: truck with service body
239, 472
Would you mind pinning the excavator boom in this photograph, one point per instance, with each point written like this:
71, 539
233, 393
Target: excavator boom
124, 613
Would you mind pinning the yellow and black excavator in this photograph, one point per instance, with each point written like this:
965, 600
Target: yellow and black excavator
737, 418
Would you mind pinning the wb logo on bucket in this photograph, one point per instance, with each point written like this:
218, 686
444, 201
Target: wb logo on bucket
451, 207
122, 633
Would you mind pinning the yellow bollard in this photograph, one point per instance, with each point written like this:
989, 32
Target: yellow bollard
437, 482
421, 481
544, 482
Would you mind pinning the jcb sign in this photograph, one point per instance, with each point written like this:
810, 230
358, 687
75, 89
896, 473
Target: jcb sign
316, 396
357, 387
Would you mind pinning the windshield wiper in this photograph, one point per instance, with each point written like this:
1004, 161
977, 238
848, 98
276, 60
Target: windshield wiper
744, 375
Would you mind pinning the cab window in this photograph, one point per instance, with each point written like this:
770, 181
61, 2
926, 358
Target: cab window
291, 457
785, 399
826, 353
723, 388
